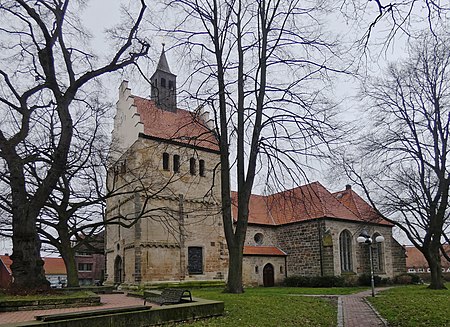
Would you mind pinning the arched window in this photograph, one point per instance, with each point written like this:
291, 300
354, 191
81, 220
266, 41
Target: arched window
345, 248
201, 170
176, 163
165, 161
377, 254
192, 166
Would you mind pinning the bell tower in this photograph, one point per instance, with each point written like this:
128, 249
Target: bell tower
164, 85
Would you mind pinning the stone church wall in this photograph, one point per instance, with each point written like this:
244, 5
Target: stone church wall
180, 211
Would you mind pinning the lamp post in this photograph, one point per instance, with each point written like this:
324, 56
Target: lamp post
364, 238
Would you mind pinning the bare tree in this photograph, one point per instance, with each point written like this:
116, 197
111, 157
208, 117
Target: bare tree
261, 65
47, 75
390, 19
403, 163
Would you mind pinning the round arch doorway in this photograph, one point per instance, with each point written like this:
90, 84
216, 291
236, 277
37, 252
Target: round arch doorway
118, 270
268, 275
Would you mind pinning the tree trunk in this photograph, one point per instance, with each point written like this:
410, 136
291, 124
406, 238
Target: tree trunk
234, 284
27, 265
433, 257
68, 256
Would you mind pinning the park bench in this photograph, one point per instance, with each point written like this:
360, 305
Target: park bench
91, 313
170, 296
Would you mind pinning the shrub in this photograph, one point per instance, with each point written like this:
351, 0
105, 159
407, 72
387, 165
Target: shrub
405, 279
365, 280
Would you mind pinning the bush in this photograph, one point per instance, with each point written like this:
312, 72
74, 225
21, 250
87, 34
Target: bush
315, 281
365, 280
405, 279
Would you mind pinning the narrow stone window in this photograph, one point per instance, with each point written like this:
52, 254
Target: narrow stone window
195, 260
192, 168
170, 85
165, 161
345, 245
176, 163
201, 167
281, 269
256, 269
163, 82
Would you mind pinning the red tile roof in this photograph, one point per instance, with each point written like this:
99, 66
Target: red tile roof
181, 126
52, 266
263, 250
311, 201
415, 258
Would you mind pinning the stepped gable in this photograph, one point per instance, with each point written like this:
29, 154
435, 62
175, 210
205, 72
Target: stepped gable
307, 202
179, 126
359, 206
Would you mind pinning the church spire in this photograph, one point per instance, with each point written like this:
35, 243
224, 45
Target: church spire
162, 64
164, 85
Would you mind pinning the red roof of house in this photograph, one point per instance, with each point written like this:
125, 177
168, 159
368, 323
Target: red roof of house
311, 201
263, 250
52, 266
182, 125
415, 258
6, 261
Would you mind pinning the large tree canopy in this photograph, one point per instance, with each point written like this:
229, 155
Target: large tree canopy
403, 159
48, 76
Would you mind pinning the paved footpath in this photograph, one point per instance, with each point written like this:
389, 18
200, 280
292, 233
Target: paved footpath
108, 301
355, 311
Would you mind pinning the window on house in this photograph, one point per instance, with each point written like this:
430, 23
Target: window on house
165, 161
201, 167
123, 167
84, 266
192, 168
411, 270
256, 269
281, 269
345, 245
163, 82
170, 85
195, 260
176, 163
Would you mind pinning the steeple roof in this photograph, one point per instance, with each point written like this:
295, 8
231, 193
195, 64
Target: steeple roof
162, 64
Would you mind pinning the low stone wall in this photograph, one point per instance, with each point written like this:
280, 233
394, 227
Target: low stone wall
157, 315
52, 303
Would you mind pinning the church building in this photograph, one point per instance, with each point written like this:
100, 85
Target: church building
166, 214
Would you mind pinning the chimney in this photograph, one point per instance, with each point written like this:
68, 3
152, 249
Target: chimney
348, 187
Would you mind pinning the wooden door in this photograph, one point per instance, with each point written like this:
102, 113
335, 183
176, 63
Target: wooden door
268, 275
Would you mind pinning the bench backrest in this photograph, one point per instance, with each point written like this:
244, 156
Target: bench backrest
172, 293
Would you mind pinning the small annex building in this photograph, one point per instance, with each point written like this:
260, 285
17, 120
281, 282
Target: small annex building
164, 167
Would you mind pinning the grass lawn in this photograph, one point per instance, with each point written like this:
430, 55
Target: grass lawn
275, 306
410, 306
